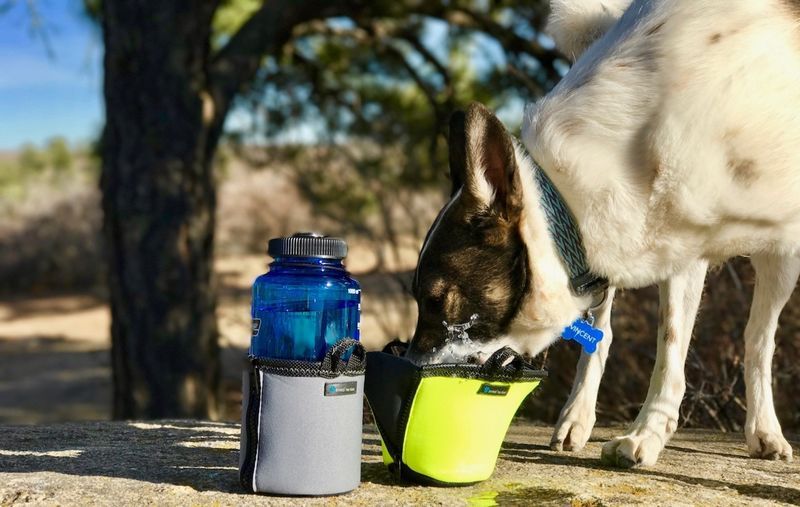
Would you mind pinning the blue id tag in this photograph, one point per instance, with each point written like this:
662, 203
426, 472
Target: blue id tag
584, 333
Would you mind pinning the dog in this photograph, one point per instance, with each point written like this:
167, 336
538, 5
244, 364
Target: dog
673, 141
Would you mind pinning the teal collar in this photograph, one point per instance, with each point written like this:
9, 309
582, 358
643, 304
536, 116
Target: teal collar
567, 237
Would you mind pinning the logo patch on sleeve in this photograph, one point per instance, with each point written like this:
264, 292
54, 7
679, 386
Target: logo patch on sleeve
256, 326
494, 389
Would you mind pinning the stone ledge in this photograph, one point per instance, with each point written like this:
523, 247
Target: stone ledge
194, 463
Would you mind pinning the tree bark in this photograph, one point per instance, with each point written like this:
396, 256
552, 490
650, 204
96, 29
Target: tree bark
166, 102
159, 202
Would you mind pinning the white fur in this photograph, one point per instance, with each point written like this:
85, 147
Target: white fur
577, 418
658, 418
674, 141
775, 281
479, 185
575, 24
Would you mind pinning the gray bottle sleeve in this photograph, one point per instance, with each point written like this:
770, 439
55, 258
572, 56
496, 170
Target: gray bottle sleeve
301, 435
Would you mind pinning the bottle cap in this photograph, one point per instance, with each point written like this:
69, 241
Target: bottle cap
308, 244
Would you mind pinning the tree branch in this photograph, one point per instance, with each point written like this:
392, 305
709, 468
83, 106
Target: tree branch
511, 42
420, 48
236, 64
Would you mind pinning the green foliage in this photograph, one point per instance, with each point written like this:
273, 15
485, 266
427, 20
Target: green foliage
229, 17
58, 153
388, 78
56, 162
31, 159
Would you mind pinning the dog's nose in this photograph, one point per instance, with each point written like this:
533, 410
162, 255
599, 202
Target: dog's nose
412, 354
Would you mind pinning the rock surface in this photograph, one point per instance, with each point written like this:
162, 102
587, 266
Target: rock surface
195, 463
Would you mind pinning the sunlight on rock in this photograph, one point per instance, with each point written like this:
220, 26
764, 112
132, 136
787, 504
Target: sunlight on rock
181, 467
211, 444
205, 427
74, 453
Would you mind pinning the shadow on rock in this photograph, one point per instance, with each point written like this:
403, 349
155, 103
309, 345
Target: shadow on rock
203, 456
526, 454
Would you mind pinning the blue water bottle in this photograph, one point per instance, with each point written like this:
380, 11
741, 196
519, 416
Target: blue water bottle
307, 301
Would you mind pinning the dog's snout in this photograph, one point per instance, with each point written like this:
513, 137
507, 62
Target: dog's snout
478, 357
421, 348
414, 355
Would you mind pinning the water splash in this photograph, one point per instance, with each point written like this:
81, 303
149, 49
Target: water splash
457, 345
459, 331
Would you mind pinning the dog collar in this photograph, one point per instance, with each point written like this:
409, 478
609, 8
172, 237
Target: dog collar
567, 237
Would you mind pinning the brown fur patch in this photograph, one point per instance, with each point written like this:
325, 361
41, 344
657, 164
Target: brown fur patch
438, 288
731, 134
453, 301
665, 322
755, 222
715, 38
497, 236
654, 30
743, 170
498, 292
657, 166
572, 126
793, 6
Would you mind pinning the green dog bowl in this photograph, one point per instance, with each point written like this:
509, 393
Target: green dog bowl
443, 424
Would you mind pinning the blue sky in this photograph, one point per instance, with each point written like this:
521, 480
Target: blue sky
58, 91
44, 95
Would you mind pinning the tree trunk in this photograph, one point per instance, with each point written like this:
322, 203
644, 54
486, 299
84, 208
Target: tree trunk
159, 201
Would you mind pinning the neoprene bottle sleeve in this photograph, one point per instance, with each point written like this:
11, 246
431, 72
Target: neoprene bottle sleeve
301, 424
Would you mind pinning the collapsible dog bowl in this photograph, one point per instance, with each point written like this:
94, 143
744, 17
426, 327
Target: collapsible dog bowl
443, 424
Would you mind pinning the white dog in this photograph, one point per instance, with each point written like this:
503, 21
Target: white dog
674, 140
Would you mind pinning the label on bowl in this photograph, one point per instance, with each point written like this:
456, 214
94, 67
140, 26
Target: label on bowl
494, 389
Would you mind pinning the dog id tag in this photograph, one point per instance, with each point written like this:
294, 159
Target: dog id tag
584, 333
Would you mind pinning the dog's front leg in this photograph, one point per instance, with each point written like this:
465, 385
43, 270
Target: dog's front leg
577, 418
679, 298
775, 281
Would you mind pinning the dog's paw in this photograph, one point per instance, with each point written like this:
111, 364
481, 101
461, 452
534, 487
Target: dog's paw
633, 450
573, 429
769, 445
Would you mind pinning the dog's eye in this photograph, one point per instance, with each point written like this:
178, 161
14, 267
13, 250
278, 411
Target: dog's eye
433, 304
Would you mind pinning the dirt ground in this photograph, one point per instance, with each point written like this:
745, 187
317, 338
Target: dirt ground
54, 351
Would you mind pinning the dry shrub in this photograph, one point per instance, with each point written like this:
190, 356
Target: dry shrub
255, 205
50, 239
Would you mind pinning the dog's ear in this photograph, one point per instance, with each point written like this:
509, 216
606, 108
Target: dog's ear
492, 176
458, 151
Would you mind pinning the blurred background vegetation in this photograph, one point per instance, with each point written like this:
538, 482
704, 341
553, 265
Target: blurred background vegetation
340, 127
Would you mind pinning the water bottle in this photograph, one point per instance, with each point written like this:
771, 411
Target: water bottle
307, 301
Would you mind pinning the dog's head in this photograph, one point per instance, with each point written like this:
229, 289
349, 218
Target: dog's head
476, 258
